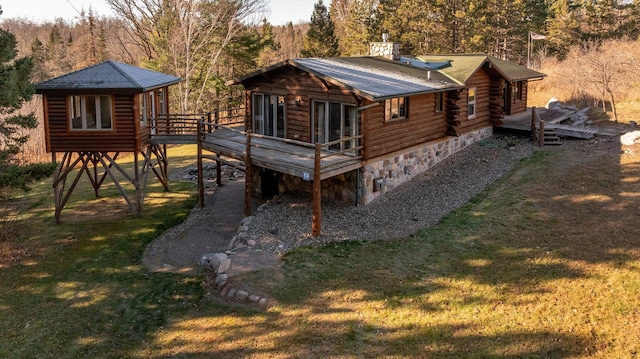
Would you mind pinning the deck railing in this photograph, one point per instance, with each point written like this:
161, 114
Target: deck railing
537, 128
187, 124
351, 145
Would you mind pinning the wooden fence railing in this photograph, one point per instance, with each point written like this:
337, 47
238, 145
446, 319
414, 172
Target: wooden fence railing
187, 124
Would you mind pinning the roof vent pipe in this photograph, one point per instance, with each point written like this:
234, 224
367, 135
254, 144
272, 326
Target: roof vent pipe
429, 75
385, 36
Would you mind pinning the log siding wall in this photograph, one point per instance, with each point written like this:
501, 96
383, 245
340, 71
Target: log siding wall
296, 85
422, 124
122, 138
463, 124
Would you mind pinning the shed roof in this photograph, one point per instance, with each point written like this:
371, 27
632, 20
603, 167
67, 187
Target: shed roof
374, 78
463, 66
108, 76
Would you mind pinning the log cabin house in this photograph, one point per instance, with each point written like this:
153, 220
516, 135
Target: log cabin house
94, 114
358, 127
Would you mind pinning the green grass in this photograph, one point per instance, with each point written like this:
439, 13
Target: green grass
83, 291
545, 263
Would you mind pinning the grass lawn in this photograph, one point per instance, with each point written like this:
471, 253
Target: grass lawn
546, 263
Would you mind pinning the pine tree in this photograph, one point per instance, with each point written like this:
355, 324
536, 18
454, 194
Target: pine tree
321, 40
15, 90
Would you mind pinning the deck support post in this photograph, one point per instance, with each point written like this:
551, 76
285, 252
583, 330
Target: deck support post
200, 134
248, 178
533, 123
317, 193
216, 121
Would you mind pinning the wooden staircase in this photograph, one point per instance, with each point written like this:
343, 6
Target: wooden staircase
551, 138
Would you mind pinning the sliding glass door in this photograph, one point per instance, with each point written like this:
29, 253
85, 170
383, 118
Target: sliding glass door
269, 117
333, 121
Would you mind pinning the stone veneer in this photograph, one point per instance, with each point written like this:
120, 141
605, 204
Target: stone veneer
390, 50
390, 171
393, 171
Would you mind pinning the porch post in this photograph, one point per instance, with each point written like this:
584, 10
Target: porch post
199, 134
317, 193
248, 176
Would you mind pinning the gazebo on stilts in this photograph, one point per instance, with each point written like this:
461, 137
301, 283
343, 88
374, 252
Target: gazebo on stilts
93, 115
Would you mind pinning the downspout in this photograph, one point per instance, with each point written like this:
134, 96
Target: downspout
358, 113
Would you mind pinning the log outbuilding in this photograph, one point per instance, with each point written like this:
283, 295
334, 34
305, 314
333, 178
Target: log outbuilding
94, 114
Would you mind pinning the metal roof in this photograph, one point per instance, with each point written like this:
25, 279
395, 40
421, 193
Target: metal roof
374, 78
463, 66
106, 76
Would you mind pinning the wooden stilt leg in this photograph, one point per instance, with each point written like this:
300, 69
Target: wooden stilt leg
136, 184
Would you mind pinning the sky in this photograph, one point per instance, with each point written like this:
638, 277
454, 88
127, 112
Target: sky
282, 11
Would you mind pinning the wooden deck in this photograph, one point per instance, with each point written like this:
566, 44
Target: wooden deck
286, 156
522, 122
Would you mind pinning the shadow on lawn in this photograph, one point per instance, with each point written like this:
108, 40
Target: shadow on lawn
567, 216
475, 285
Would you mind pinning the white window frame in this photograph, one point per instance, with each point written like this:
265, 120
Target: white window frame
348, 125
472, 97
142, 103
270, 105
400, 104
81, 100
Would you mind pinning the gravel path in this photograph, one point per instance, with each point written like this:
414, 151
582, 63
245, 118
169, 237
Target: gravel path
286, 224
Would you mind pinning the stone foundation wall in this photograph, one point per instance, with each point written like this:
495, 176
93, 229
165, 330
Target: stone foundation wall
380, 177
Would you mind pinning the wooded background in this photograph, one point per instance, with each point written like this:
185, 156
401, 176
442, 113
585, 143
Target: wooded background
208, 42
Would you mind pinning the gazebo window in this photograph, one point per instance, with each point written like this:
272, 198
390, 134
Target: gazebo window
92, 112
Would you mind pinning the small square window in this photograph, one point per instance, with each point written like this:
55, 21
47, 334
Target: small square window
396, 108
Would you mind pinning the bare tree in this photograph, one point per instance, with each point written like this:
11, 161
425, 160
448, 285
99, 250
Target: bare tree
187, 37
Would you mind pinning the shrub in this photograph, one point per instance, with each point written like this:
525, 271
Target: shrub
20, 176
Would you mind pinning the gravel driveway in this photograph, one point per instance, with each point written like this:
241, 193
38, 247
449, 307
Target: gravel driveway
286, 224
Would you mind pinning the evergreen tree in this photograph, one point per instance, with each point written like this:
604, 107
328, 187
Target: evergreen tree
15, 90
321, 40
361, 27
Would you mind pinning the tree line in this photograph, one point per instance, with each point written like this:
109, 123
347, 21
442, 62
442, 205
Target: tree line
209, 42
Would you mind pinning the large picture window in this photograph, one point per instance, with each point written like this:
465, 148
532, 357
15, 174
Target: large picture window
91, 112
471, 103
396, 108
269, 115
333, 121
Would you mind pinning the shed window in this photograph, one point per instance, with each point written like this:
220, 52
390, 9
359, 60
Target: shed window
439, 101
396, 108
471, 103
518, 90
92, 112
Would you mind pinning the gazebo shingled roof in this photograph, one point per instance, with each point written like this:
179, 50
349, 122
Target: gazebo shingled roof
108, 76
